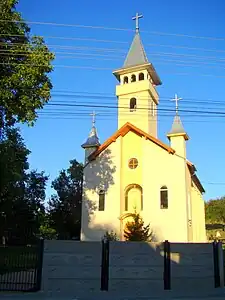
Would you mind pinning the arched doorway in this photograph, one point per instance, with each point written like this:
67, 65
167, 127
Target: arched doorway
133, 198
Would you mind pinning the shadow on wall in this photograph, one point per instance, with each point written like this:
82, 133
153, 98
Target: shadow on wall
140, 267
98, 176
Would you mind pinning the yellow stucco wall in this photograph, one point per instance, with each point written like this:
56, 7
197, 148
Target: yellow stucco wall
156, 168
145, 116
198, 213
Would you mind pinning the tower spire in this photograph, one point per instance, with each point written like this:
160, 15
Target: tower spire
92, 140
136, 55
136, 18
177, 126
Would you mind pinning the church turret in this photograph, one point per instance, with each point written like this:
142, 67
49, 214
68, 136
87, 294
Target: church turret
136, 92
92, 142
177, 134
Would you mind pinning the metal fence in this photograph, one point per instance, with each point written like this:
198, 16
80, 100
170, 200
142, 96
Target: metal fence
21, 267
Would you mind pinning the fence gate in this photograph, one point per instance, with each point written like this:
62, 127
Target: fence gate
21, 267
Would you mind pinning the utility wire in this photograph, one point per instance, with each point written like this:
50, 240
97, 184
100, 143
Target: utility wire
103, 68
95, 57
112, 96
202, 59
140, 108
113, 28
120, 42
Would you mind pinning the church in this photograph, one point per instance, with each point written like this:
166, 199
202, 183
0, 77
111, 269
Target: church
134, 171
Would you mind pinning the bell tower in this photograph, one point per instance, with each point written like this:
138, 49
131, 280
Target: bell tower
136, 91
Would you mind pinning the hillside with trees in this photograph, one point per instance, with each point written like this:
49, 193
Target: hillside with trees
215, 217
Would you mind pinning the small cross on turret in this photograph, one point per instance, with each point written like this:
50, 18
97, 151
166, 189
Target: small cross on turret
176, 99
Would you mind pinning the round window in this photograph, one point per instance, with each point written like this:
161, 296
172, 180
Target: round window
133, 163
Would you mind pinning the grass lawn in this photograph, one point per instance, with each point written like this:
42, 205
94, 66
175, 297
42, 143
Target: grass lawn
18, 258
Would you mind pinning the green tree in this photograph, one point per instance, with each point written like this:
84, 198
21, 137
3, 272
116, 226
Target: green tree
25, 62
64, 208
22, 192
135, 229
46, 231
110, 236
215, 210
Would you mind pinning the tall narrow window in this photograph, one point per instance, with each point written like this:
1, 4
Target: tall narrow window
133, 104
125, 79
133, 78
134, 198
163, 197
141, 76
101, 205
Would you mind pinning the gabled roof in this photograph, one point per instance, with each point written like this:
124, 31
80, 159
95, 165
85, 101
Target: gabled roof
136, 55
122, 132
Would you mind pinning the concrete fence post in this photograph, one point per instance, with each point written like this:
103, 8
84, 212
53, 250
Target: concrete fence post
215, 245
167, 266
105, 266
221, 263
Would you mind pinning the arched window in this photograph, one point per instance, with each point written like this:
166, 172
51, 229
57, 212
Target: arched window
133, 195
125, 79
133, 104
101, 204
163, 197
133, 78
141, 76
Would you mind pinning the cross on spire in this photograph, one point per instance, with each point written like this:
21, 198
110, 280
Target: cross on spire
136, 18
93, 115
176, 99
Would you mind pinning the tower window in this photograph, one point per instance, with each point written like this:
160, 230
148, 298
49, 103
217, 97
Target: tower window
163, 197
133, 163
125, 79
141, 76
133, 104
101, 205
133, 78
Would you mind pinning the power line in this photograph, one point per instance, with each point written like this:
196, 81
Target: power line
95, 57
190, 56
103, 68
121, 42
139, 108
112, 118
112, 96
113, 28
69, 38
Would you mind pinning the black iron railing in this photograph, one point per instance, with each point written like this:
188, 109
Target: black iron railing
20, 267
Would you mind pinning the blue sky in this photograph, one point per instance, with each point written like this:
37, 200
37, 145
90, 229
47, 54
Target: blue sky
194, 68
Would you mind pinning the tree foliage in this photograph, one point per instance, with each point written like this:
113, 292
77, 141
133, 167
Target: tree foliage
135, 230
64, 208
22, 192
215, 210
25, 62
110, 236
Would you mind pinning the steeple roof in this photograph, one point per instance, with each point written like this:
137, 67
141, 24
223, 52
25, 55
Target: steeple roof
136, 55
177, 128
92, 140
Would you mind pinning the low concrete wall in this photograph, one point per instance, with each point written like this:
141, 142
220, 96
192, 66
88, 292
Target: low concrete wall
192, 266
135, 268
70, 267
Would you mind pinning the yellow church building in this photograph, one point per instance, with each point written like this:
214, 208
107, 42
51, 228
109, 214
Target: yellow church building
134, 170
